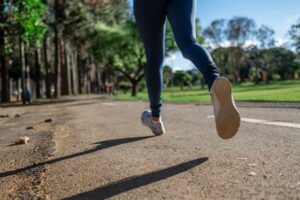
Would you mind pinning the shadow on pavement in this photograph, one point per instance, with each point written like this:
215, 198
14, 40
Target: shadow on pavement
134, 182
100, 146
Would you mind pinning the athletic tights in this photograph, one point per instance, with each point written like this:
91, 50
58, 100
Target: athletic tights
151, 17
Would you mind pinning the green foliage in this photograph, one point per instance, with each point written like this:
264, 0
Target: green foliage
199, 37
84, 22
120, 46
240, 63
124, 86
168, 75
182, 78
106, 43
256, 64
110, 12
29, 16
79, 23
169, 39
285, 62
131, 51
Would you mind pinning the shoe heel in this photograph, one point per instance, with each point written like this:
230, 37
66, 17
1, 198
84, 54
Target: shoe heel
228, 118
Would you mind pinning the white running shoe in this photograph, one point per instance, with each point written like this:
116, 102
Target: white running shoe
227, 117
157, 127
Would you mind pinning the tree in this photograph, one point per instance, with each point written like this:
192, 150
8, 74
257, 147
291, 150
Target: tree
221, 58
168, 76
285, 62
58, 9
215, 32
37, 58
4, 71
121, 49
182, 78
265, 36
81, 18
199, 37
170, 45
78, 33
47, 66
25, 22
110, 12
294, 33
31, 29
254, 56
239, 30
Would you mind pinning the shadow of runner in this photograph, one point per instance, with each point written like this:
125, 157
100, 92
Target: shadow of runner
100, 146
134, 182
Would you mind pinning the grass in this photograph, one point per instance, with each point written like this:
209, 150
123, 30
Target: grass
274, 91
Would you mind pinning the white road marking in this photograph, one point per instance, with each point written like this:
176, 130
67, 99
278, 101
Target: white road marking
266, 122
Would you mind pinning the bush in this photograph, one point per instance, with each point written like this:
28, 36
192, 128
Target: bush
124, 86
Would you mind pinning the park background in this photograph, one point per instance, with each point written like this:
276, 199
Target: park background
54, 49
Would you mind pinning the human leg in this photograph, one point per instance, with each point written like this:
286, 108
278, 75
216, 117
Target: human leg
181, 15
150, 18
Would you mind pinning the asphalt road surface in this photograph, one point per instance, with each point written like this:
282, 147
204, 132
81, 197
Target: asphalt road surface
98, 149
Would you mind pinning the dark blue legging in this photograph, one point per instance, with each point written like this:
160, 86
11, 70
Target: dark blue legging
151, 16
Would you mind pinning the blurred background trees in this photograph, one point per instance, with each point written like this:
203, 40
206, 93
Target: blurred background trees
50, 48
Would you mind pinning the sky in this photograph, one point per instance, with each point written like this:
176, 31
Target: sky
277, 14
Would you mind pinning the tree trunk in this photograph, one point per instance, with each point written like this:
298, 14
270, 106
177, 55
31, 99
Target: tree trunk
47, 68
99, 82
27, 72
37, 73
23, 76
68, 66
4, 71
133, 88
19, 89
74, 73
65, 87
79, 71
57, 54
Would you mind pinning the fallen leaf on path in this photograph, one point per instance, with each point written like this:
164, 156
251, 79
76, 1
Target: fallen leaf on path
23, 140
48, 120
252, 165
29, 128
252, 174
17, 115
265, 176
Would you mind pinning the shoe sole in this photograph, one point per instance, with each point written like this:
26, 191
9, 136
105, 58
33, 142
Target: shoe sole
153, 130
228, 118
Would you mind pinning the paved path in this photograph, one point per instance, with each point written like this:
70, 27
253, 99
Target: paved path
98, 149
